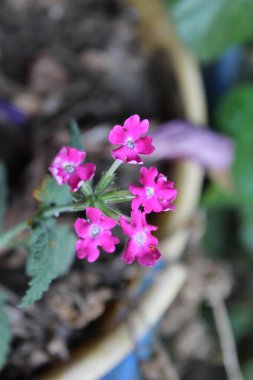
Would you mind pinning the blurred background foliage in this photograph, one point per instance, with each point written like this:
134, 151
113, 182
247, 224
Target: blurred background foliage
220, 34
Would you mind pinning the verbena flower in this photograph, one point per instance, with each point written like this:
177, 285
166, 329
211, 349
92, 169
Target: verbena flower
129, 137
157, 193
67, 168
94, 232
142, 246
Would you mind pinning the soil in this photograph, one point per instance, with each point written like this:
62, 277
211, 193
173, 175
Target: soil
64, 59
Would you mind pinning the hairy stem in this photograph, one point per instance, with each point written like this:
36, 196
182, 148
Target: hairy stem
107, 177
7, 237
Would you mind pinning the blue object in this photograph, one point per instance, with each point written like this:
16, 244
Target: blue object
221, 75
128, 368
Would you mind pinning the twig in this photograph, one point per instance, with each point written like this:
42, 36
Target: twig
226, 337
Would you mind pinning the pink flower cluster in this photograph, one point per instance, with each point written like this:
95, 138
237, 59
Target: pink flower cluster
155, 195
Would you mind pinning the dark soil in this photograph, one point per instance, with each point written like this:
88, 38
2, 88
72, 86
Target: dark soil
63, 59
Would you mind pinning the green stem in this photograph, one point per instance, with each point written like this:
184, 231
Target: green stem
107, 177
7, 237
116, 196
114, 167
86, 188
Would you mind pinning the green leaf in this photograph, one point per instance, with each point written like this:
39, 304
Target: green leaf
3, 193
50, 193
210, 27
235, 118
246, 228
5, 332
217, 197
51, 255
64, 252
75, 136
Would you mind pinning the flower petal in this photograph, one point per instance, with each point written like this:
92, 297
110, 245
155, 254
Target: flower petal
132, 122
93, 214
127, 227
74, 182
87, 249
148, 176
144, 145
74, 156
81, 227
152, 204
130, 252
107, 241
126, 154
117, 135
86, 171
60, 175
106, 222
136, 128
149, 258
136, 190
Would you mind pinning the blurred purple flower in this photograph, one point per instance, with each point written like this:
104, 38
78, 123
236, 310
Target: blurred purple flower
179, 139
11, 113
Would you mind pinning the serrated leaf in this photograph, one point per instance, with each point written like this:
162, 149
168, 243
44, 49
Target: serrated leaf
210, 27
75, 136
3, 193
64, 249
50, 193
5, 332
51, 255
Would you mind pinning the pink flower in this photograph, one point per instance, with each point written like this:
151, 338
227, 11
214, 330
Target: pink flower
66, 168
93, 233
156, 195
142, 246
130, 140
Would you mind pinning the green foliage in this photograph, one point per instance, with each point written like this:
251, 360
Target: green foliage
210, 27
5, 332
50, 193
235, 118
248, 370
3, 193
51, 255
75, 136
241, 318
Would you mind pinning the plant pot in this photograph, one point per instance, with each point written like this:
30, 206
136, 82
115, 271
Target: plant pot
113, 356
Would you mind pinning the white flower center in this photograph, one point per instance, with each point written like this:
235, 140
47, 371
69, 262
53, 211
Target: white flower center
94, 231
130, 143
69, 168
149, 191
140, 237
